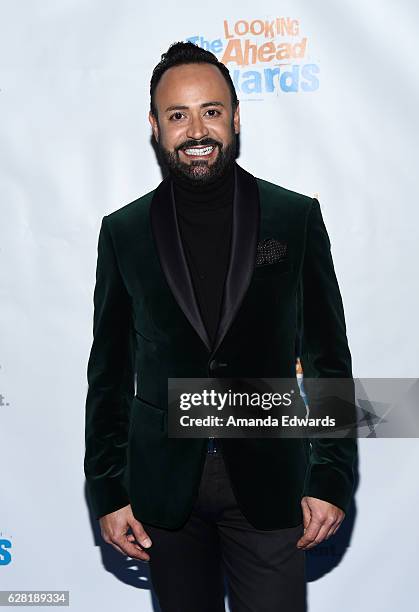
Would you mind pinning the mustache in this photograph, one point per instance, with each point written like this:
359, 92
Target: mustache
198, 143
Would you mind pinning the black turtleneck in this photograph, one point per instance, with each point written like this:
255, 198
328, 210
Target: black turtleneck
205, 220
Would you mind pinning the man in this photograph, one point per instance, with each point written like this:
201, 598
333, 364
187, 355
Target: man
201, 277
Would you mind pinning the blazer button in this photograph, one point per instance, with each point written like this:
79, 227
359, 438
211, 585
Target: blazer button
214, 364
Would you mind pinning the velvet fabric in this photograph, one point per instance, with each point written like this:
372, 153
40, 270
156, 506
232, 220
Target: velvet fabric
147, 327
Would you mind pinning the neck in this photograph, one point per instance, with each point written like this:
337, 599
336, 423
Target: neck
217, 193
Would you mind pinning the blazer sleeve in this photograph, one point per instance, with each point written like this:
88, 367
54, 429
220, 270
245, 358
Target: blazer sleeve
110, 376
325, 354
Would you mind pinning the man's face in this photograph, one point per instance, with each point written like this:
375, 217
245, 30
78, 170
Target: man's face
195, 126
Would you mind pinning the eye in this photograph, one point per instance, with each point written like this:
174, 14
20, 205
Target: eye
215, 111
176, 116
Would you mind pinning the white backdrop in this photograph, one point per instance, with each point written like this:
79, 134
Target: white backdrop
75, 145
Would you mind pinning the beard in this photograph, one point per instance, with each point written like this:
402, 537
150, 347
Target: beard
199, 172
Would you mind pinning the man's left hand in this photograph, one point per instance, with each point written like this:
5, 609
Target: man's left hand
321, 520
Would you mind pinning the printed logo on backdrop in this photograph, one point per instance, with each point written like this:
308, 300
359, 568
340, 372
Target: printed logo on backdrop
5, 552
264, 56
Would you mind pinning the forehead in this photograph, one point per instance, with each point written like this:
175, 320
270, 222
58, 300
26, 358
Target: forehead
192, 84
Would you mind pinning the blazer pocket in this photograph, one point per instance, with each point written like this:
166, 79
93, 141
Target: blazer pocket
142, 335
145, 414
273, 270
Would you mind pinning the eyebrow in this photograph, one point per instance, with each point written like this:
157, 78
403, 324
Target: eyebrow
203, 105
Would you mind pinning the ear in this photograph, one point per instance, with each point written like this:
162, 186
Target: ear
154, 125
236, 119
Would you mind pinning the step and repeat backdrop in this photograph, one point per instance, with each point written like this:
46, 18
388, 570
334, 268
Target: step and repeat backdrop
329, 98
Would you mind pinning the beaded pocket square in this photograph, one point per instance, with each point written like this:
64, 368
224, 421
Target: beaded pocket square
270, 251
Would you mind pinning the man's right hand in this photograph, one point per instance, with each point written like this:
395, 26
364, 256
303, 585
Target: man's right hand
114, 527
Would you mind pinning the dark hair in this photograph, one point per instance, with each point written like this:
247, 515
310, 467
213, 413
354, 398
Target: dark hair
187, 53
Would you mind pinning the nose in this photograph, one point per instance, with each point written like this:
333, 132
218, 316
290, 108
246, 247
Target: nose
197, 128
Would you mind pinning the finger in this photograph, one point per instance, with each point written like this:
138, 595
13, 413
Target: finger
336, 528
135, 551
141, 535
131, 550
131, 538
319, 538
311, 532
333, 527
327, 529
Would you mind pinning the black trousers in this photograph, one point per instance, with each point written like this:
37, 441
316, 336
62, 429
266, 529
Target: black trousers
264, 570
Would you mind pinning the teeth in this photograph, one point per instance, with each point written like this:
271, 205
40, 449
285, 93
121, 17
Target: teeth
198, 152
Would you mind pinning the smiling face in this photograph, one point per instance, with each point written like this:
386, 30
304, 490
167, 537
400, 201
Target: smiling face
195, 126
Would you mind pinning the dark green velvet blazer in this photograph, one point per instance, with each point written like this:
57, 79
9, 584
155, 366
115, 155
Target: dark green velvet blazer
147, 327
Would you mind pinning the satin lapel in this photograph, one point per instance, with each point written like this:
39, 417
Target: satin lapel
172, 257
245, 232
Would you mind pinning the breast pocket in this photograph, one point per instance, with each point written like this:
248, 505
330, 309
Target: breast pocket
276, 270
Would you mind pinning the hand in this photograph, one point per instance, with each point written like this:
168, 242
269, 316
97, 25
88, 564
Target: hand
114, 527
321, 520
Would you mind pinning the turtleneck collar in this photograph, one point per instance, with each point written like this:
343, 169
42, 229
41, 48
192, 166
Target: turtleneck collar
205, 197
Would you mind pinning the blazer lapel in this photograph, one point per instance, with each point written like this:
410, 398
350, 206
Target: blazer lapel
172, 257
245, 231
